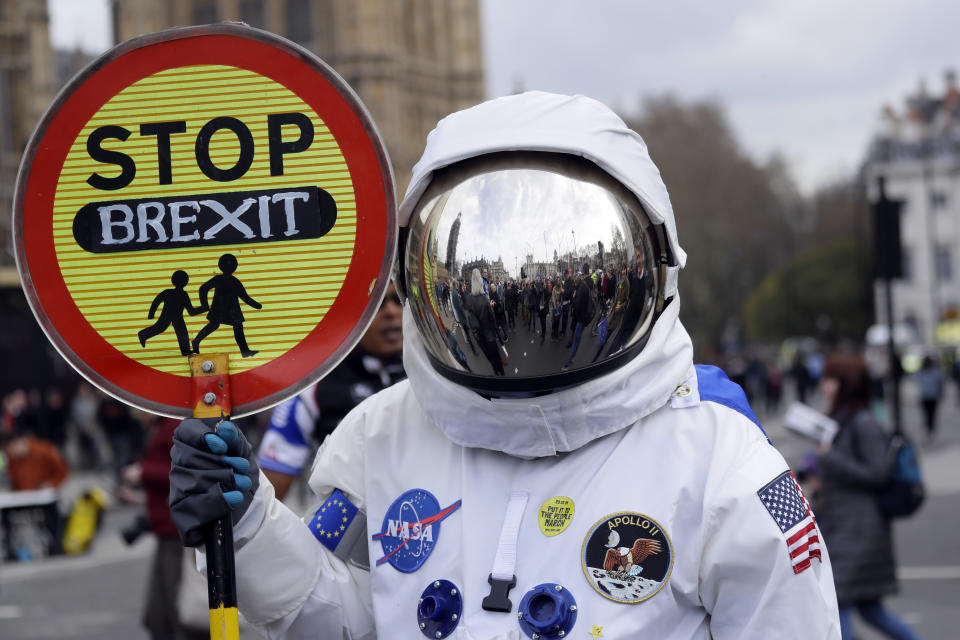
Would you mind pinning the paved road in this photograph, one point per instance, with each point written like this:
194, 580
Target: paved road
96, 596
100, 595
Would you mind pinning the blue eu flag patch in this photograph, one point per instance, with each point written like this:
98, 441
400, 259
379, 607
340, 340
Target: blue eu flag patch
329, 524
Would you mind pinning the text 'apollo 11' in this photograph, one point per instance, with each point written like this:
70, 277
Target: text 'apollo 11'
789, 509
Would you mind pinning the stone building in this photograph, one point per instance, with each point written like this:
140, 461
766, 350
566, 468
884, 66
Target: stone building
411, 61
31, 72
28, 83
917, 151
497, 271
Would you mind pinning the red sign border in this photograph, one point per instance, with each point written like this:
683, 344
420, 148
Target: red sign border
366, 157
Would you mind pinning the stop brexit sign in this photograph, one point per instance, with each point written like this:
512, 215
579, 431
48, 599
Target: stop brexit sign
209, 189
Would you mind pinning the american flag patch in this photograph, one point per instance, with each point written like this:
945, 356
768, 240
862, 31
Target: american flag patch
790, 510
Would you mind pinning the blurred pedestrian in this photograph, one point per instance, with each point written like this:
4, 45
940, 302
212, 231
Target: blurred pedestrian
55, 417
122, 430
801, 376
929, 381
512, 301
581, 317
32, 416
955, 373
161, 617
459, 315
299, 425
14, 409
34, 463
83, 419
499, 310
852, 470
477, 306
774, 389
755, 377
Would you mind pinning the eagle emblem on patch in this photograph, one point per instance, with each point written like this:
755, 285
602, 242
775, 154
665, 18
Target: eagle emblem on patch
627, 557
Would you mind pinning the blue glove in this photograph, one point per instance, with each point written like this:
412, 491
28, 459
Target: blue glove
213, 474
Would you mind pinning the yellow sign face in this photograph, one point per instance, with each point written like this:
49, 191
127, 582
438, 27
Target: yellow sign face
188, 218
555, 515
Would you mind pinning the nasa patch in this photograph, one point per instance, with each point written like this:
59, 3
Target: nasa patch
627, 557
411, 528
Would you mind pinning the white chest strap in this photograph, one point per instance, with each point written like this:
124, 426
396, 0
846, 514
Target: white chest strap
502, 576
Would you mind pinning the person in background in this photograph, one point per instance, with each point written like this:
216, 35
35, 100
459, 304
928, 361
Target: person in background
512, 301
33, 463
539, 307
14, 410
556, 297
929, 381
123, 432
477, 306
299, 425
568, 289
160, 615
499, 311
851, 471
83, 420
580, 316
55, 417
640, 282
801, 376
459, 315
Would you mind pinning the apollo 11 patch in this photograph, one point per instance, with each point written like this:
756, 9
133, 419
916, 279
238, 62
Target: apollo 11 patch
627, 557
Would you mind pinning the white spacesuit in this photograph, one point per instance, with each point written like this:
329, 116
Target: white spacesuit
631, 496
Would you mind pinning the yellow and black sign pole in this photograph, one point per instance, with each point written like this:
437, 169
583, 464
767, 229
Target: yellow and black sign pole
221, 581
211, 378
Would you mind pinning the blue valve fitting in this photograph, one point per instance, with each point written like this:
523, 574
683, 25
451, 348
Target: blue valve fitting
547, 611
439, 609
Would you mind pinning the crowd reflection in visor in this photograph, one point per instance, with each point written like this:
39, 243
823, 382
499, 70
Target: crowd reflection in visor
525, 272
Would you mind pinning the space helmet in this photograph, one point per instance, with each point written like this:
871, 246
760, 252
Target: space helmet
538, 244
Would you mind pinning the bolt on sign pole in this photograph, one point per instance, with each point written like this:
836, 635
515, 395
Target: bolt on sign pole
211, 403
204, 224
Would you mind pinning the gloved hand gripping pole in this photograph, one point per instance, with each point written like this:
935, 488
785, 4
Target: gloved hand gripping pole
211, 403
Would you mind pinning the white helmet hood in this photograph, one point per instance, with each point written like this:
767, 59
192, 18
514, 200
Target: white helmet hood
539, 121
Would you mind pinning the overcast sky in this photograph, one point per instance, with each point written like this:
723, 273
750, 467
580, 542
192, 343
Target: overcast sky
805, 78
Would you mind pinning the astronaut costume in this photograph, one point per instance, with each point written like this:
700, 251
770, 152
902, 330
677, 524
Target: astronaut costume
638, 498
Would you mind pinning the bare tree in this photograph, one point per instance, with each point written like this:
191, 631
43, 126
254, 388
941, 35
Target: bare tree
726, 208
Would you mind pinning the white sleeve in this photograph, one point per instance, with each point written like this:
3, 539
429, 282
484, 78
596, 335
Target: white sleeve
286, 444
757, 580
289, 585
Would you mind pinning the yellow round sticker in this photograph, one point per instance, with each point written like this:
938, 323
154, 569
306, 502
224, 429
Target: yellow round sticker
555, 515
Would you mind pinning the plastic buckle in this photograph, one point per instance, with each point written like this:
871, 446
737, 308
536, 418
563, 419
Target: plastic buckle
498, 599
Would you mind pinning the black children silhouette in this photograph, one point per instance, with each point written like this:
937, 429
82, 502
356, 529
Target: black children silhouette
225, 309
174, 302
